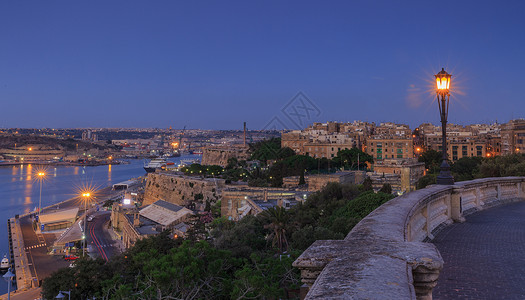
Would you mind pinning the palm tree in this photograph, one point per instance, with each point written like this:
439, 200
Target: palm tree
277, 220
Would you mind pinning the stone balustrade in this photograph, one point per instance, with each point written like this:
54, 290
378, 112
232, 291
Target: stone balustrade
387, 255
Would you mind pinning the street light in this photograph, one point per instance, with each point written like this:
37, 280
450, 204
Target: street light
8, 276
86, 196
443, 96
61, 295
41, 176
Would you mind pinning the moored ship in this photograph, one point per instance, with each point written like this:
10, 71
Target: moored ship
156, 163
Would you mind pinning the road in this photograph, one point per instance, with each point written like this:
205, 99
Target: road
41, 264
99, 238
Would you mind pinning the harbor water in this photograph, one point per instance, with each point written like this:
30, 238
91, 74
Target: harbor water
20, 188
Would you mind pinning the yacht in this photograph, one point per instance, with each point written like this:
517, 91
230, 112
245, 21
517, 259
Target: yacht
156, 163
4, 264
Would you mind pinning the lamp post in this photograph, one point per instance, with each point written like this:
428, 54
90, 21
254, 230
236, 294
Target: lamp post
8, 276
61, 295
443, 97
41, 176
86, 197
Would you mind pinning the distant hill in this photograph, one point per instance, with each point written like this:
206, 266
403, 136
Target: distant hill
24, 141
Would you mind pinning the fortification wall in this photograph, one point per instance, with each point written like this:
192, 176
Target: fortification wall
182, 190
220, 155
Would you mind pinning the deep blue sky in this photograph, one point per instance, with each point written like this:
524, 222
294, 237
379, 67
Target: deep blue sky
216, 64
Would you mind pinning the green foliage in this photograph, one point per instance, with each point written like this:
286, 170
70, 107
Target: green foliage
432, 160
198, 169
331, 213
276, 219
264, 277
242, 238
269, 150
501, 166
466, 168
348, 159
367, 184
426, 180
386, 188
301, 179
85, 280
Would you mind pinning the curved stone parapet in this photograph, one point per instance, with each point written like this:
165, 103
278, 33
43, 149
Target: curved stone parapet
387, 254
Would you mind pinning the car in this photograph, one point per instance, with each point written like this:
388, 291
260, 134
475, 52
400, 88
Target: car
70, 257
90, 218
72, 265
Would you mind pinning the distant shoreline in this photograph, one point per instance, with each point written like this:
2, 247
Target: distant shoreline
64, 164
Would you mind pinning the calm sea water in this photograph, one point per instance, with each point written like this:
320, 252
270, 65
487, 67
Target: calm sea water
19, 188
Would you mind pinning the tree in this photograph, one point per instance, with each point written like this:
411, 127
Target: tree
432, 160
352, 159
276, 219
466, 168
386, 188
367, 184
301, 179
232, 163
426, 180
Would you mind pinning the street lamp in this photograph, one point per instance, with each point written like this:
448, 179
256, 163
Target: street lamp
61, 295
41, 176
443, 96
8, 276
86, 196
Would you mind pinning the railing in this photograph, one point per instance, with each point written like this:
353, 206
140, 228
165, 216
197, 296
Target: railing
387, 255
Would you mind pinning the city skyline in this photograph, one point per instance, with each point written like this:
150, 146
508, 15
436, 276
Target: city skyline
213, 66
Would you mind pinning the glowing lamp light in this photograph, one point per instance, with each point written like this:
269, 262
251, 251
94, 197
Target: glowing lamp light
443, 81
86, 195
41, 174
126, 201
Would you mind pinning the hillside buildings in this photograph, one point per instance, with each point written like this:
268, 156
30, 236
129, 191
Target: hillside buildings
324, 140
395, 147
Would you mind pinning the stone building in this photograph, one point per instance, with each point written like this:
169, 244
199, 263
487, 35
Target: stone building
389, 147
237, 203
316, 182
513, 137
403, 174
219, 155
134, 224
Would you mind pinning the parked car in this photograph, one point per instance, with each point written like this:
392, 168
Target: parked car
70, 257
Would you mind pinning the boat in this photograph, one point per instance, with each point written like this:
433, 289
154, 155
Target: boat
4, 264
197, 152
156, 163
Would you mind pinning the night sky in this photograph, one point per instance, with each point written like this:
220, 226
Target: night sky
215, 64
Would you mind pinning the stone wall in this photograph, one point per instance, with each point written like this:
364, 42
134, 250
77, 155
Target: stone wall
317, 182
386, 255
182, 190
219, 155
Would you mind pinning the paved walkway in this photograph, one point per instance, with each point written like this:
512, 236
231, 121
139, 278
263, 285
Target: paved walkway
485, 256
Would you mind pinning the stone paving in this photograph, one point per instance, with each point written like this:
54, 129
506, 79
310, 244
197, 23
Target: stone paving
485, 256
